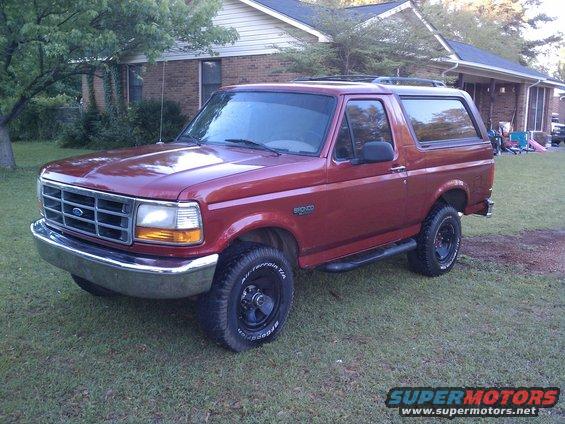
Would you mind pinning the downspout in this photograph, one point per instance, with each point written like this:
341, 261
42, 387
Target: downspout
453, 68
528, 103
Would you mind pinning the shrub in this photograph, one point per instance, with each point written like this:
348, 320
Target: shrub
146, 116
113, 132
80, 132
140, 125
44, 118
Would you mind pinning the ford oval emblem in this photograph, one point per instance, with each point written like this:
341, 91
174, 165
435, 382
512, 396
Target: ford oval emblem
78, 212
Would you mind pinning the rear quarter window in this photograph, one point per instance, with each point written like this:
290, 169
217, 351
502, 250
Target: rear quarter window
437, 120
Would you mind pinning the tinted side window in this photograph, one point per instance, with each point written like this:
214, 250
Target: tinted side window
364, 120
344, 145
439, 119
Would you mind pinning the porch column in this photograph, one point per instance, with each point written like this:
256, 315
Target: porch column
492, 96
521, 99
547, 110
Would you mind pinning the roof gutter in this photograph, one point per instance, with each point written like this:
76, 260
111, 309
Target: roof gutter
502, 71
453, 68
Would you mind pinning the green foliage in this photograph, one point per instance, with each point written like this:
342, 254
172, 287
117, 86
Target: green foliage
498, 26
79, 133
358, 46
43, 118
145, 117
140, 125
44, 42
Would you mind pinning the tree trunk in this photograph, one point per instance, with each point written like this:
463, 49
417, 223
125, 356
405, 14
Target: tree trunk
6, 153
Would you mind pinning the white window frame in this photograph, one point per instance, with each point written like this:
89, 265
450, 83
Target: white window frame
535, 122
201, 74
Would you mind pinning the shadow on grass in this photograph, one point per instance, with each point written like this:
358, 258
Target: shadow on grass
320, 299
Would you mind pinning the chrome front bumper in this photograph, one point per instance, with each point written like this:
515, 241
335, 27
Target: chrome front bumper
126, 273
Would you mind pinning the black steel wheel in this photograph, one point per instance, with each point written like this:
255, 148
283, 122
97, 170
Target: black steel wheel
259, 303
438, 242
445, 242
250, 298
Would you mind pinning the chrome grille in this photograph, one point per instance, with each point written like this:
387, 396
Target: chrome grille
102, 215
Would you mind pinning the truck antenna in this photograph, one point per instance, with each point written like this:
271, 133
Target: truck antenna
162, 103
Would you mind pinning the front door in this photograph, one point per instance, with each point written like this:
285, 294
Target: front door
364, 199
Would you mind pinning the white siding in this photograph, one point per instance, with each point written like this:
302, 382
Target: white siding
258, 32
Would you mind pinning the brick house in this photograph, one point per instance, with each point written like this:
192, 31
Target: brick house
558, 106
503, 90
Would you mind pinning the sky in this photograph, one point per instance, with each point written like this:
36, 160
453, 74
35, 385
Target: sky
555, 8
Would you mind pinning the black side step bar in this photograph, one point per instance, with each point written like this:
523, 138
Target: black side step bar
356, 261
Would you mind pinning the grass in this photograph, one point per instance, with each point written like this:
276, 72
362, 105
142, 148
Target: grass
66, 356
529, 194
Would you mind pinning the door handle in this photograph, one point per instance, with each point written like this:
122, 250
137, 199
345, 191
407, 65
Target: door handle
397, 169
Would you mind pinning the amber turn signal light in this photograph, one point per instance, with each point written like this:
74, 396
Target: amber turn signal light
169, 236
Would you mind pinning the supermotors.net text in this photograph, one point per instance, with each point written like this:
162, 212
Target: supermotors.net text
451, 402
469, 412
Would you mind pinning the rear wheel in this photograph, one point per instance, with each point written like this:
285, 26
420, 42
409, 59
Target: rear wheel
250, 298
438, 242
93, 289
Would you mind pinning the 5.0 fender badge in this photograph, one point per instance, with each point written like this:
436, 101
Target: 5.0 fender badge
303, 210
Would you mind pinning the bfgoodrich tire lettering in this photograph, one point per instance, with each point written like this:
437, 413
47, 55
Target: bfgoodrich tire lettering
250, 298
439, 242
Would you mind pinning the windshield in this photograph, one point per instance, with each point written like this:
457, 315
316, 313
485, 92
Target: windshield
293, 123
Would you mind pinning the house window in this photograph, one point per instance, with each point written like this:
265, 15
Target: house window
135, 83
536, 108
210, 78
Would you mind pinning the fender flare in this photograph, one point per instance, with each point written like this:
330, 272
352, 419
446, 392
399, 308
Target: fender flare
257, 221
448, 186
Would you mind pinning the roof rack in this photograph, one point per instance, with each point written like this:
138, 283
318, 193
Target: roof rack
375, 79
404, 80
351, 78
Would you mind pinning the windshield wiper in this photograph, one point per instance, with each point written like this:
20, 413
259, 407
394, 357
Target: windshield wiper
190, 139
251, 143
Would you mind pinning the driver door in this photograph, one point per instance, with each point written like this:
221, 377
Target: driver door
364, 199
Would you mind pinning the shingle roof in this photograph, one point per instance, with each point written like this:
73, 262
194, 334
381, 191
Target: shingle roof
306, 13
470, 53
371, 10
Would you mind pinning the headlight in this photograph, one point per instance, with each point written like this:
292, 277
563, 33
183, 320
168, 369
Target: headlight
177, 224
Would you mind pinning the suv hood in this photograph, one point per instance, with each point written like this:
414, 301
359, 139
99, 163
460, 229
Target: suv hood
160, 171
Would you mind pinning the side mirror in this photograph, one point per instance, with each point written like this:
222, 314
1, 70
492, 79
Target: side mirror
377, 151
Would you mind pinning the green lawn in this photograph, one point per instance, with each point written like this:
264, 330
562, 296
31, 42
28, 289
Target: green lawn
67, 356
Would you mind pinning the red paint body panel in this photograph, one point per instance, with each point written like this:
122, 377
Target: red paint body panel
357, 207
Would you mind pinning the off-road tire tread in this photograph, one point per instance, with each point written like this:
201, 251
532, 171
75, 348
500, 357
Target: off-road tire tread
419, 260
212, 305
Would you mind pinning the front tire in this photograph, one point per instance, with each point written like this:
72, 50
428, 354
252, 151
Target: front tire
439, 242
93, 289
250, 298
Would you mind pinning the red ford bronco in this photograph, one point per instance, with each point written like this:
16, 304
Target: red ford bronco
318, 174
